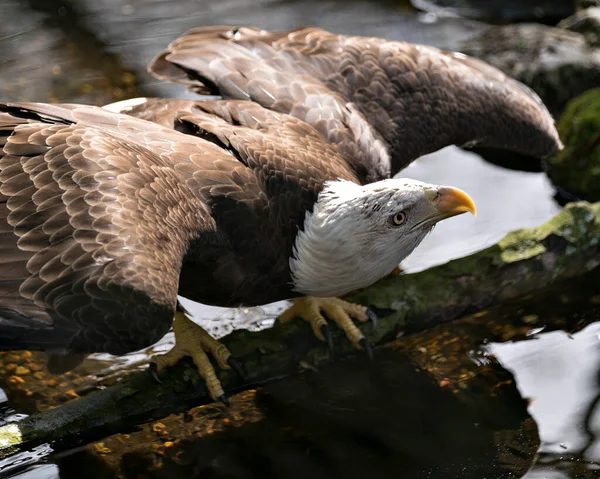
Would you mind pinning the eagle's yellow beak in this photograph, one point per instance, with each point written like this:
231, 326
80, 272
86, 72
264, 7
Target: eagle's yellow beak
445, 202
448, 201
451, 201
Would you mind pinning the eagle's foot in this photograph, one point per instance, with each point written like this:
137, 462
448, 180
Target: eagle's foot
313, 310
192, 340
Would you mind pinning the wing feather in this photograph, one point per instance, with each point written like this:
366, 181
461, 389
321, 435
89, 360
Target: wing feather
259, 196
106, 209
93, 229
382, 103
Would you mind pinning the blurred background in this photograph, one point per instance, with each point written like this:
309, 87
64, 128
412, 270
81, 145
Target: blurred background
96, 51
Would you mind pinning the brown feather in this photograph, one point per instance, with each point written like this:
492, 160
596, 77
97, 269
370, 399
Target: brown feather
109, 217
381, 103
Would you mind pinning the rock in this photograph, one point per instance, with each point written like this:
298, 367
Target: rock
577, 167
500, 11
586, 22
557, 64
582, 4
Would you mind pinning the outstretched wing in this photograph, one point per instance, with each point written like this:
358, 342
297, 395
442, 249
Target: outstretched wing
104, 217
284, 163
93, 228
382, 103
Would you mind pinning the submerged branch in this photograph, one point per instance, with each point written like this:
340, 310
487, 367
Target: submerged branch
523, 262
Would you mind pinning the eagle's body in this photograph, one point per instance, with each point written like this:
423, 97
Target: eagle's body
106, 217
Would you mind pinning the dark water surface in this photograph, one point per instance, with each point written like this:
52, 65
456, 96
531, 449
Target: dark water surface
435, 406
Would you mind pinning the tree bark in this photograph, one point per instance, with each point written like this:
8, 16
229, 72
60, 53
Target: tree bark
524, 261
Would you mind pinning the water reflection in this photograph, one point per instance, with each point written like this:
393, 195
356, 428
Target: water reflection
42, 471
87, 50
354, 419
25, 464
560, 373
506, 200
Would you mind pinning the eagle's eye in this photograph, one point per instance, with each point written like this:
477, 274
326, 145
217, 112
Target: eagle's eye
399, 218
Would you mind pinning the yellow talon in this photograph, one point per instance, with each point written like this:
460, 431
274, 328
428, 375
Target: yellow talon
341, 312
192, 340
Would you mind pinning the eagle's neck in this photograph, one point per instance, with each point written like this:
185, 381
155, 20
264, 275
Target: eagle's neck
331, 255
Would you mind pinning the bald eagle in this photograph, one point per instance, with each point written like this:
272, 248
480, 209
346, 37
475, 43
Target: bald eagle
279, 190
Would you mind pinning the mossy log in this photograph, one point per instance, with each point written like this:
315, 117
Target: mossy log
524, 261
576, 169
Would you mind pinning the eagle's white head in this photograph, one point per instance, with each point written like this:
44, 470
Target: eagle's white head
357, 234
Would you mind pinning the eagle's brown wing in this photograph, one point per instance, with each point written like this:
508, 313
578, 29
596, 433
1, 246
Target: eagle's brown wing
93, 228
373, 98
100, 213
290, 161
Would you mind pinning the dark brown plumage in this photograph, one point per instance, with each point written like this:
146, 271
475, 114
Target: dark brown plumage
105, 218
382, 103
101, 212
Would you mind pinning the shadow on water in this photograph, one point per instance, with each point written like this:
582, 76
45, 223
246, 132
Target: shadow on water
351, 419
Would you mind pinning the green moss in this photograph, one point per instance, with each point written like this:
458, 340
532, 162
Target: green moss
577, 223
10, 435
577, 167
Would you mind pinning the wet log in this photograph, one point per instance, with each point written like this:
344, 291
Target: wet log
524, 261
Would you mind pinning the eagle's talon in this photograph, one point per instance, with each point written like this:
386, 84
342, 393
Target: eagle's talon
314, 310
380, 312
237, 367
326, 332
153, 372
192, 340
372, 316
222, 398
366, 347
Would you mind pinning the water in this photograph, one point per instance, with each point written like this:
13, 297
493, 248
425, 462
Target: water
508, 392
527, 411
